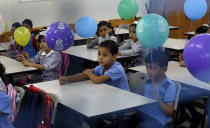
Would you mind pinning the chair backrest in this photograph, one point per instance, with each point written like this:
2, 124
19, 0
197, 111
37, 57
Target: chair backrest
55, 99
174, 117
137, 82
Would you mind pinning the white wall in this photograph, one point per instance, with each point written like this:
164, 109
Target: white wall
46, 12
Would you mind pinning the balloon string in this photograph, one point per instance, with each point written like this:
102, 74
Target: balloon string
59, 65
12, 43
152, 70
187, 36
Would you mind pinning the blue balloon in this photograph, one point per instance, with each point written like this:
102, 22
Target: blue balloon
195, 9
86, 27
152, 31
59, 36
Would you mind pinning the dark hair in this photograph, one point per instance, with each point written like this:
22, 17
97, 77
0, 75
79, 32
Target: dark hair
104, 23
201, 29
28, 21
110, 45
132, 25
3, 75
159, 58
40, 37
16, 25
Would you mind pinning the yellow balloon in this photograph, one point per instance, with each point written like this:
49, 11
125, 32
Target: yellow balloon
22, 36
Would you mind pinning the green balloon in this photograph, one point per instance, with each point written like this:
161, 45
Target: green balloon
127, 9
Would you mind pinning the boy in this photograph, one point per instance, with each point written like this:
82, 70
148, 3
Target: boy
46, 60
31, 48
108, 71
160, 88
133, 47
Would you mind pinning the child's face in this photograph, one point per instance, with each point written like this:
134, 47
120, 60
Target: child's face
103, 30
158, 72
132, 33
105, 58
27, 26
44, 46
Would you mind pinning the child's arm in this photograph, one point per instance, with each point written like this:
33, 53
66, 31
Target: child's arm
28, 63
92, 43
167, 108
94, 78
73, 78
137, 49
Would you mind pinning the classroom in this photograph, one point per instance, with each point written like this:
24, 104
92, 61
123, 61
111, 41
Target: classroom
104, 63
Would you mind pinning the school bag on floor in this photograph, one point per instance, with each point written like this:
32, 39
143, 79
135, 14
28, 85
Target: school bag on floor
36, 109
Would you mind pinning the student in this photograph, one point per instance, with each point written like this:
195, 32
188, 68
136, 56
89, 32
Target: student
7, 100
108, 71
133, 47
199, 30
13, 47
46, 61
31, 48
161, 89
104, 32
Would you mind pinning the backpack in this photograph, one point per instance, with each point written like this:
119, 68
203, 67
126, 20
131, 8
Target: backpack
36, 109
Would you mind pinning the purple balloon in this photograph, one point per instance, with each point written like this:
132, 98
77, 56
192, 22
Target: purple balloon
59, 36
197, 57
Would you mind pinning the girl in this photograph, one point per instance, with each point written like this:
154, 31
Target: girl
104, 32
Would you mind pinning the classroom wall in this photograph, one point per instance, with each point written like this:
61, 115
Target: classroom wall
45, 12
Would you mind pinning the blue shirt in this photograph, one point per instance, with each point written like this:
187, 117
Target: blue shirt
29, 48
167, 90
116, 74
5, 104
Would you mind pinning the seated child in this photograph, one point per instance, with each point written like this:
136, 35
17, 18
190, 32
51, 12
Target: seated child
199, 30
161, 89
133, 47
31, 49
7, 89
14, 47
108, 71
104, 32
46, 61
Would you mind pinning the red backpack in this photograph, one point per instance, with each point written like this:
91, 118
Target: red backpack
36, 109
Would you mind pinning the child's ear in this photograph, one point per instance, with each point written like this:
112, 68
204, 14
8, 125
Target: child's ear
164, 68
115, 56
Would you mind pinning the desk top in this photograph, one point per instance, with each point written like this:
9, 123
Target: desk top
180, 74
93, 99
177, 44
87, 53
13, 66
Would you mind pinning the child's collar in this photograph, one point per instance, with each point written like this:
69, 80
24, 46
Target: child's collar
44, 53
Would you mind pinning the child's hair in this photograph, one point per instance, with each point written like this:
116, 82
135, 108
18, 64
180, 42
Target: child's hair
201, 29
28, 21
16, 25
159, 58
132, 25
3, 75
104, 23
40, 37
110, 45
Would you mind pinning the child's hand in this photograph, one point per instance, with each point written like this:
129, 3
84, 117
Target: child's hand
26, 55
181, 60
20, 57
26, 63
88, 71
89, 40
62, 80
